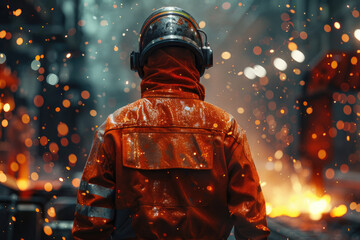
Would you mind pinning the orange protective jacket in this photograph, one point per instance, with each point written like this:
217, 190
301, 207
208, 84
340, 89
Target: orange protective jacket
170, 166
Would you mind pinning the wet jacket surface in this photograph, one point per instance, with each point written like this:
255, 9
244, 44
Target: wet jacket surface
170, 166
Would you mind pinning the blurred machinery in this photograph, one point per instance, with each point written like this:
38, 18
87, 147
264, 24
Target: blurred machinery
330, 115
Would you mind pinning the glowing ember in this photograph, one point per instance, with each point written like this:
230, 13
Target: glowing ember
327, 28
292, 46
2, 34
85, 94
278, 154
240, 110
322, 154
48, 230
226, 55
76, 182
202, 24
38, 100
337, 25
355, 13
93, 113
34, 176
25, 118
3, 177
51, 212
19, 41
62, 129
48, 187
354, 60
6, 107
334, 64
4, 123
53, 147
257, 50
72, 158
66, 103
345, 37
17, 12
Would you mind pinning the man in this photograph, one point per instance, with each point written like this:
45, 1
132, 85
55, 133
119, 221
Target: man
170, 166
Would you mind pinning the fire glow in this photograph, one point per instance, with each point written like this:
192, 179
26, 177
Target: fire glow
304, 202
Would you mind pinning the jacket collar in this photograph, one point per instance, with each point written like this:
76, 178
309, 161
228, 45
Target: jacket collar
169, 93
171, 72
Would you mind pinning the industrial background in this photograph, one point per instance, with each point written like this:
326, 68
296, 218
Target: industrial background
287, 70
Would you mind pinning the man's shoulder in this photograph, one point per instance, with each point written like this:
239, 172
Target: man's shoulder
121, 116
226, 120
210, 116
218, 113
217, 109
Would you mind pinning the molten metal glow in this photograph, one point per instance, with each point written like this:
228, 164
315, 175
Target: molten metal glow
23, 184
338, 211
298, 203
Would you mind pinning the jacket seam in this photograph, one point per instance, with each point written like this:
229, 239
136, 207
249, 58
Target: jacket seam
174, 126
232, 153
208, 129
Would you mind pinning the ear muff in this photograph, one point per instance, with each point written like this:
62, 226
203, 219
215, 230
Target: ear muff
207, 56
134, 61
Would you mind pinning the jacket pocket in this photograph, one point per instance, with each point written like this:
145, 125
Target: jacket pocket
167, 149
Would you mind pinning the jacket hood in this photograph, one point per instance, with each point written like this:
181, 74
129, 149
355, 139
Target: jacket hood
172, 69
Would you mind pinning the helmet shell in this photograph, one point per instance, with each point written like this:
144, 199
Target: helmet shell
171, 26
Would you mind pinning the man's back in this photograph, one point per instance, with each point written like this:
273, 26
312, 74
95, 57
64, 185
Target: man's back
173, 154
181, 167
170, 165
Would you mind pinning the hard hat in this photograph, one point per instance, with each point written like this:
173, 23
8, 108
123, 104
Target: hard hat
171, 26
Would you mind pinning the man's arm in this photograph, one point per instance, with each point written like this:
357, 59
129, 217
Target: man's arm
246, 201
94, 215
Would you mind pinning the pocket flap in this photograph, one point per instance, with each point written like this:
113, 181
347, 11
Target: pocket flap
166, 150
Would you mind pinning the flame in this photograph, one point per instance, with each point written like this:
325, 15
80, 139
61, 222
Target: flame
338, 211
297, 203
301, 200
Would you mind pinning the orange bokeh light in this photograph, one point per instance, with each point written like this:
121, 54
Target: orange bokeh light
62, 129
322, 154
48, 187
85, 94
